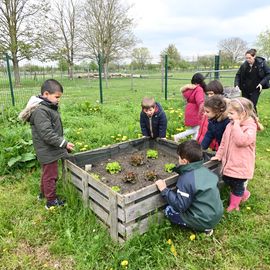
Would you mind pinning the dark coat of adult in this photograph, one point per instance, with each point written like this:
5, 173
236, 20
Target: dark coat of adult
247, 78
156, 125
47, 133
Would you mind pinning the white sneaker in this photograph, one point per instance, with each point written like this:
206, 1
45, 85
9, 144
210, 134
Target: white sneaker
208, 232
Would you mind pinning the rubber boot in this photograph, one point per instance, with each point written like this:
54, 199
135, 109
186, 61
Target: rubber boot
245, 196
234, 203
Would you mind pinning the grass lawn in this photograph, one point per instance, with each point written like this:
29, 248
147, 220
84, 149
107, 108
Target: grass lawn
71, 238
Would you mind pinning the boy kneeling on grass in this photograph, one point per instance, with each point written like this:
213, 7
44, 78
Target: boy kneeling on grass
196, 204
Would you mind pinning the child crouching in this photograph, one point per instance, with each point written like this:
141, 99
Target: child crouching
196, 204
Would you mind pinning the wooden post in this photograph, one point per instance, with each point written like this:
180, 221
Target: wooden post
113, 215
85, 192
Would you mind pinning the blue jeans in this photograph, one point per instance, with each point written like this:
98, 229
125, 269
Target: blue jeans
236, 185
174, 216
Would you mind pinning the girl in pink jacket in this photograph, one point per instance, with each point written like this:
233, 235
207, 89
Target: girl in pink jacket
194, 95
237, 149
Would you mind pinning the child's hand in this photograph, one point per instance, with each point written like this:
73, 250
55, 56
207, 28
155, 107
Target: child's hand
70, 147
161, 184
215, 158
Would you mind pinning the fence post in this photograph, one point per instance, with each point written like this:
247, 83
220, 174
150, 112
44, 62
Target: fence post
10, 80
166, 77
100, 77
217, 58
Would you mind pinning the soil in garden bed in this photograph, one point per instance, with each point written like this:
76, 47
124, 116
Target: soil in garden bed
140, 172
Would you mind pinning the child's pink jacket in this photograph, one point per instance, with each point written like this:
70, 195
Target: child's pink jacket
194, 96
237, 149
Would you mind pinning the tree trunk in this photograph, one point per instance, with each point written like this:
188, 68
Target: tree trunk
105, 70
70, 71
16, 70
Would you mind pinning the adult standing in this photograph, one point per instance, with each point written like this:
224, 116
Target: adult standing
252, 76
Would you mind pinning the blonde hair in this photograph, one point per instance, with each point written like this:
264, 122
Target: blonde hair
242, 104
148, 102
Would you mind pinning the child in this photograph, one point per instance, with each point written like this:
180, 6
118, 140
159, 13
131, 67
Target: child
153, 119
194, 96
47, 133
215, 110
197, 203
212, 88
237, 149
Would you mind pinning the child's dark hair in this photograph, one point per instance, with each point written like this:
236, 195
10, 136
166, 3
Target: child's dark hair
52, 86
217, 104
215, 86
190, 150
198, 78
252, 52
148, 102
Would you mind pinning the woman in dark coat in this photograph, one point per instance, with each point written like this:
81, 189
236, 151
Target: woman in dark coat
252, 76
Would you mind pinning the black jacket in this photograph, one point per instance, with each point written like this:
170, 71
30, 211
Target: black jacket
155, 126
263, 75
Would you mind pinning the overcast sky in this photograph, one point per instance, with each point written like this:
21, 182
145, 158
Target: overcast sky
196, 26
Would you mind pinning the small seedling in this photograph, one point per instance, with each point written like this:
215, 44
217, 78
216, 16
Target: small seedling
96, 176
152, 154
151, 176
113, 167
169, 167
130, 177
116, 188
136, 159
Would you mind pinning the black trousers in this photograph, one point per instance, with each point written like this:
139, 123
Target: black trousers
253, 97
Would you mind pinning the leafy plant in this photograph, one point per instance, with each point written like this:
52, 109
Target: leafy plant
169, 167
116, 188
96, 176
152, 154
136, 159
130, 177
151, 175
113, 167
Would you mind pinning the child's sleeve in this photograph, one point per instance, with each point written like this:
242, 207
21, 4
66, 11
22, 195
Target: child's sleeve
183, 197
45, 130
208, 137
144, 129
245, 137
162, 125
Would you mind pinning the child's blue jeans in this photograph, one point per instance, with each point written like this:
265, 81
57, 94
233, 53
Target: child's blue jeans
237, 185
174, 216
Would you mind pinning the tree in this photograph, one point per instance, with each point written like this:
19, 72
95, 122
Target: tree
107, 30
235, 47
20, 29
140, 57
206, 61
263, 44
62, 39
173, 56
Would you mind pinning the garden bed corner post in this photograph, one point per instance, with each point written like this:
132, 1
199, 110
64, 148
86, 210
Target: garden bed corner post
113, 217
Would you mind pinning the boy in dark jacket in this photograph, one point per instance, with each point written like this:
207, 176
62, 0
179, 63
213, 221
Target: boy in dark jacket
153, 119
196, 203
47, 133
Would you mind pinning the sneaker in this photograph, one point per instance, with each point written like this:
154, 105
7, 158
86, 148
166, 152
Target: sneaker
40, 196
55, 203
209, 232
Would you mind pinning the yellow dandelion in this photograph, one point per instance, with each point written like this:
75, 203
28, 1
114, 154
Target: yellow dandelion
124, 263
169, 242
173, 250
248, 208
192, 237
119, 135
79, 143
5, 250
10, 232
113, 137
124, 138
80, 129
267, 149
172, 111
86, 145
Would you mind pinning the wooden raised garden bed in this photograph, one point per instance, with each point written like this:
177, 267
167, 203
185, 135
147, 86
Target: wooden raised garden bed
129, 210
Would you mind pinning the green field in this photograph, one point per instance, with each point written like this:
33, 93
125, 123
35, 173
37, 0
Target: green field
72, 238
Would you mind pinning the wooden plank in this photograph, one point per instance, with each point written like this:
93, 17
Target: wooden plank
143, 225
75, 169
144, 207
77, 182
85, 190
146, 191
113, 215
99, 211
96, 196
98, 185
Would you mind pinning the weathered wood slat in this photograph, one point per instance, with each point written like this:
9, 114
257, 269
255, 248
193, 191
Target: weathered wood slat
142, 226
75, 169
144, 207
77, 182
146, 191
103, 215
96, 196
113, 215
98, 185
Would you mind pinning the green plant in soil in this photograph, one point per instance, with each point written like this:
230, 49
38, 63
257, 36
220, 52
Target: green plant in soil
168, 167
151, 175
113, 167
152, 154
116, 188
136, 159
130, 177
96, 176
